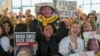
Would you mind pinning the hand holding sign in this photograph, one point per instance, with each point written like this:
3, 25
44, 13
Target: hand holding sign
90, 53
70, 47
75, 44
83, 54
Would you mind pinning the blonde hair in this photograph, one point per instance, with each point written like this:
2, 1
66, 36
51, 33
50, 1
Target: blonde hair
86, 22
75, 22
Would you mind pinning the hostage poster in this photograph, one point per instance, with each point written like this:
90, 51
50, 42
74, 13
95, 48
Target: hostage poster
92, 42
24, 42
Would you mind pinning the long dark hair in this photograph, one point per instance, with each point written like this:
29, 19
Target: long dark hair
88, 43
3, 29
11, 27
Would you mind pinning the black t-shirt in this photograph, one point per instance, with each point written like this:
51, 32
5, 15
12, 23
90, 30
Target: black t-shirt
48, 51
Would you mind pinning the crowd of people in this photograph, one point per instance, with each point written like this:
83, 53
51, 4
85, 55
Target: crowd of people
54, 35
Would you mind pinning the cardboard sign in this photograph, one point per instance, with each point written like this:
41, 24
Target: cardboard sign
24, 42
90, 53
66, 8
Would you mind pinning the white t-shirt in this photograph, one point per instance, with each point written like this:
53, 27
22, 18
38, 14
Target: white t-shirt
5, 43
63, 46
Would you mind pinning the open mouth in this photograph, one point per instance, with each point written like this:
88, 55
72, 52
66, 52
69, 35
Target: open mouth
75, 31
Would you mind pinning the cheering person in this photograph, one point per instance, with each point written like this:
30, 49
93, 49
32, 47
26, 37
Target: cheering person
72, 43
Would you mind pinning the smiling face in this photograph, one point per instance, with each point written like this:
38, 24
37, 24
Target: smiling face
7, 27
86, 27
75, 29
48, 31
91, 18
94, 45
46, 11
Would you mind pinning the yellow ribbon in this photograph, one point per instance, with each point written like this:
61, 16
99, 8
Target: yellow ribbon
45, 21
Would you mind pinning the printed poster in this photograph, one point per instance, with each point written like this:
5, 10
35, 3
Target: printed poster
24, 42
66, 8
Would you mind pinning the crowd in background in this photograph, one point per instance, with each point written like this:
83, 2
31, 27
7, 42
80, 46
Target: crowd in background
62, 36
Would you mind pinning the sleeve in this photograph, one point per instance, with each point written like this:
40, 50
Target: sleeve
5, 44
12, 42
63, 48
63, 31
33, 25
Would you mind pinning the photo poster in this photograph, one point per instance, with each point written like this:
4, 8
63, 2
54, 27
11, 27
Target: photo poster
23, 43
89, 53
90, 35
66, 8
92, 41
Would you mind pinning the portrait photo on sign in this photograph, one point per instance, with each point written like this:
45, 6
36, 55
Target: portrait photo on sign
92, 42
24, 44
